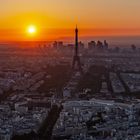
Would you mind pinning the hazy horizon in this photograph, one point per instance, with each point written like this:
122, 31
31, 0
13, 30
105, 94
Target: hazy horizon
114, 41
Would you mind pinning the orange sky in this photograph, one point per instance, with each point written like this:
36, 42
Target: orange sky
57, 18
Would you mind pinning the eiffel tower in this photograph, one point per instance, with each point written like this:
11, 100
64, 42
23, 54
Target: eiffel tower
76, 64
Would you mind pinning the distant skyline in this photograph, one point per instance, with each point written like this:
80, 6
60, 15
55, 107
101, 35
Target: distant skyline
56, 18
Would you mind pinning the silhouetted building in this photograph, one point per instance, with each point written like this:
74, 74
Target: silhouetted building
105, 44
133, 47
76, 58
58, 44
91, 45
99, 45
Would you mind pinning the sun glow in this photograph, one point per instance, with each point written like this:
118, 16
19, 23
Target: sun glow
31, 29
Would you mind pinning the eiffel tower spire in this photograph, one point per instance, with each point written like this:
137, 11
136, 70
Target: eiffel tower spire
76, 57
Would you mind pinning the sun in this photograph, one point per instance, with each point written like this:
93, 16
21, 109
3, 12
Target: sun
31, 29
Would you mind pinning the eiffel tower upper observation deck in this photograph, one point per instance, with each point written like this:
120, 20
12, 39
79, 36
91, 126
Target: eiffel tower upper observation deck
76, 64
